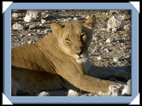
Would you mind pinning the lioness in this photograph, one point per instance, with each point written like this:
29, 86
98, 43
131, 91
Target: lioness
60, 60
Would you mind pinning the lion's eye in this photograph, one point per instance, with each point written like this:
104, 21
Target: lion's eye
68, 39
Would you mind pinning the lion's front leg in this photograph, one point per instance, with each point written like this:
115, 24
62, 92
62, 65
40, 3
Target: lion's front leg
105, 73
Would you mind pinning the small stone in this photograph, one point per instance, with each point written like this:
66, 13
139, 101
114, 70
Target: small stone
103, 93
103, 29
110, 40
115, 59
72, 93
99, 57
95, 38
115, 23
114, 11
127, 89
32, 14
106, 50
29, 42
127, 27
43, 93
114, 94
27, 18
115, 90
87, 16
107, 13
14, 15
17, 26
32, 26
43, 21
29, 34
48, 15
38, 31
75, 18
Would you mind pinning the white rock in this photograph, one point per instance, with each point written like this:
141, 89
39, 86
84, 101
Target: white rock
17, 26
107, 13
103, 29
14, 15
95, 38
32, 14
115, 59
110, 40
29, 42
115, 89
104, 93
114, 11
75, 18
43, 93
72, 93
106, 50
32, 26
38, 31
127, 27
87, 16
99, 57
127, 89
43, 21
115, 94
48, 15
27, 18
115, 23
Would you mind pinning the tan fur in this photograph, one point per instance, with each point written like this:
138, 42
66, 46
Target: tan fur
59, 60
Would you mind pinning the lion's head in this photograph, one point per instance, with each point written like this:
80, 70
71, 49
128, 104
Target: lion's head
75, 37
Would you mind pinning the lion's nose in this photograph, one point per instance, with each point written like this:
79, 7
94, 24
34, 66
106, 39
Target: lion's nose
79, 52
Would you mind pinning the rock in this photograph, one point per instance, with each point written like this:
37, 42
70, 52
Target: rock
127, 27
32, 26
29, 42
43, 21
115, 59
17, 26
95, 38
75, 18
48, 15
115, 94
127, 89
14, 15
87, 16
110, 40
72, 93
106, 50
114, 11
99, 57
32, 14
103, 29
115, 90
103, 93
43, 93
27, 18
115, 23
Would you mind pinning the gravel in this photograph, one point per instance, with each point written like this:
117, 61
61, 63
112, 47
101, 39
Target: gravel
111, 44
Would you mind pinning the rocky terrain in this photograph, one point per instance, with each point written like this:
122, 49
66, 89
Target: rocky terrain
110, 47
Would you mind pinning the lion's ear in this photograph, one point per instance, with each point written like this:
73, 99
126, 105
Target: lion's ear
56, 28
90, 22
